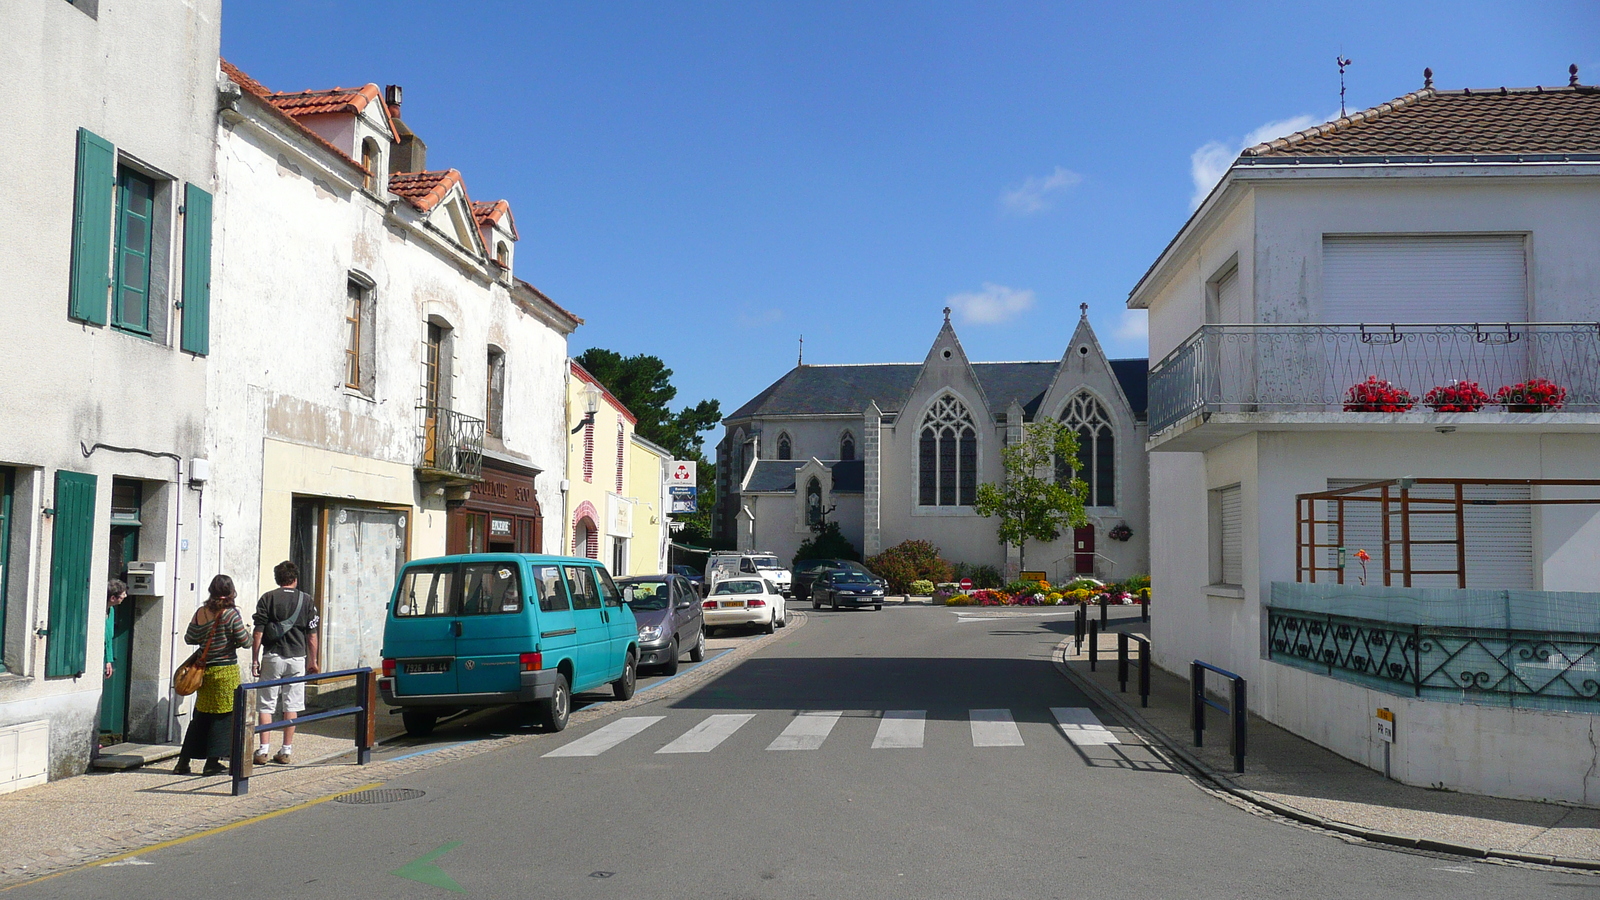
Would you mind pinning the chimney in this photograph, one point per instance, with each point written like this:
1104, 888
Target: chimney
391, 97
410, 153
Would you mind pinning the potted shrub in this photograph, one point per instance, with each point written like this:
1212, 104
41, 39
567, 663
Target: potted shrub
1120, 532
1457, 396
1377, 395
1533, 395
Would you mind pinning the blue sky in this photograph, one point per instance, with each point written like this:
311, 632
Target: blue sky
706, 182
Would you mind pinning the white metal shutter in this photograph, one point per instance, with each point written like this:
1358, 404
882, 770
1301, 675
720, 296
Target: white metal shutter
1230, 504
1499, 538
1230, 300
1424, 278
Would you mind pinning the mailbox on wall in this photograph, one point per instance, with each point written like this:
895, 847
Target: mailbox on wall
146, 578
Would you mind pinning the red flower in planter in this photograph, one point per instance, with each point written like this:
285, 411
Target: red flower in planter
1377, 395
1457, 396
1533, 395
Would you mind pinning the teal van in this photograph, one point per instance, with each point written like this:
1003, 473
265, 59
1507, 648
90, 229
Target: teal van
488, 629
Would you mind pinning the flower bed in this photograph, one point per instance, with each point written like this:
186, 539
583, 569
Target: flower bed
1377, 395
1533, 395
1457, 396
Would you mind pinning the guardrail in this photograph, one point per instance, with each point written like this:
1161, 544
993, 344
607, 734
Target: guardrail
1235, 708
449, 445
1123, 639
240, 763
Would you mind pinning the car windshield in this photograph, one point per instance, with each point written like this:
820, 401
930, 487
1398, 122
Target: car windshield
812, 565
645, 595
852, 578
767, 562
739, 587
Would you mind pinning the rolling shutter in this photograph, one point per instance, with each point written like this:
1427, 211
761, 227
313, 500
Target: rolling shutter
71, 548
1424, 278
1230, 504
196, 271
91, 228
1499, 538
1230, 300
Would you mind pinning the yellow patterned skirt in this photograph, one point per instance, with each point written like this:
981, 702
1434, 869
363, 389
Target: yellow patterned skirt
216, 691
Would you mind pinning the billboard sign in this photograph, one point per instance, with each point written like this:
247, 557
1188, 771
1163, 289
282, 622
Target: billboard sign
683, 473
685, 499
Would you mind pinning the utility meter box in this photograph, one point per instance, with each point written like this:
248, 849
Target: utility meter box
147, 578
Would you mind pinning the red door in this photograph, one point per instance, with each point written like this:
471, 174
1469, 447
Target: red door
1083, 550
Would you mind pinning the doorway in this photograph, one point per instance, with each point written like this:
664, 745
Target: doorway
1083, 550
127, 499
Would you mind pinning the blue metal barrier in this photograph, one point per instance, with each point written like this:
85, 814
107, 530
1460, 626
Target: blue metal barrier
240, 763
1235, 708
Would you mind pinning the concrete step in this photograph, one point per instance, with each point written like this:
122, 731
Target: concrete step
132, 756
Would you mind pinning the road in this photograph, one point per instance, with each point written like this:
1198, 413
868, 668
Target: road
908, 753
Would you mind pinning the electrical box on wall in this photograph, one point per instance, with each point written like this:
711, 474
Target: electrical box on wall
147, 578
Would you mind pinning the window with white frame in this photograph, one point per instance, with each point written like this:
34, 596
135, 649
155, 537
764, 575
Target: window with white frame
947, 455
1097, 450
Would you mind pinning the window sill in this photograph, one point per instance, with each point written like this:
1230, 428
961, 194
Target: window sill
942, 511
355, 394
1225, 591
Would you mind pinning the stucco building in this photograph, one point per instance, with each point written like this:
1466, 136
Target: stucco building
1310, 322
895, 451
106, 267
615, 497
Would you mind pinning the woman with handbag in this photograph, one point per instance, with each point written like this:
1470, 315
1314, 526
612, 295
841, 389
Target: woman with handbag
219, 631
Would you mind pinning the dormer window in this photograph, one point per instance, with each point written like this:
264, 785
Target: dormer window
372, 161
502, 254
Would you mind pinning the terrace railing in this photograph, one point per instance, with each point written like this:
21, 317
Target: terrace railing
449, 445
1308, 368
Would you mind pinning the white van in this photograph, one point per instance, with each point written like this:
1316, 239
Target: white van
727, 564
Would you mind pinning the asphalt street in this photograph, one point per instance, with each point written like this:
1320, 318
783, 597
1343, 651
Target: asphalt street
910, 753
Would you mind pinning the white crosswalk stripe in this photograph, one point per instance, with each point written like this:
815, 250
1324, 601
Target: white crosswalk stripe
994, 728
807, 731
603, 739
1082, 727
900, 729
705, 737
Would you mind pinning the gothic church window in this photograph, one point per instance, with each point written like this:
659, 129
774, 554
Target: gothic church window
1097, 451
947, 455
813, 502
847, 446
785, 447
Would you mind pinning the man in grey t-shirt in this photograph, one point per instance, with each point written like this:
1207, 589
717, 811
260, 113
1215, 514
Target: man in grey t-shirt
284, 646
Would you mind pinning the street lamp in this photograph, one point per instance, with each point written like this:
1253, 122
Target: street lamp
591, 405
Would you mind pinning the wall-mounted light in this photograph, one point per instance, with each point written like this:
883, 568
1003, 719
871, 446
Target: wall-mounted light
591, 405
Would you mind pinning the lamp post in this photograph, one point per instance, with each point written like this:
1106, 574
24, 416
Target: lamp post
591, 405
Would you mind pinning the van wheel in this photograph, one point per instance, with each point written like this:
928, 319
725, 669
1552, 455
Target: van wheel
697, 653
622, 688
555, 711
419, 722
836, 602
671, 665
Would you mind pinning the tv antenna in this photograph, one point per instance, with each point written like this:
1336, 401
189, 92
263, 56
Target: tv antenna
802, 359
1342, 63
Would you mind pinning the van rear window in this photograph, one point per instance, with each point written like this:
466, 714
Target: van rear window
429, 591
475, 589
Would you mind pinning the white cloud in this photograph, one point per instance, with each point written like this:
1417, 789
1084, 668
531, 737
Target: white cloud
994, 304
1033, 195
1210, 162
1134, 327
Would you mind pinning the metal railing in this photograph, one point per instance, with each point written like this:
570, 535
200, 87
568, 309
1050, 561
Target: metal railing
1235, 708
449, 444
1310, 368
240, 763
1123, 638
1552, 670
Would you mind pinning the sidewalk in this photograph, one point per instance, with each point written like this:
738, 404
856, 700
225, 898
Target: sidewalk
1292, 777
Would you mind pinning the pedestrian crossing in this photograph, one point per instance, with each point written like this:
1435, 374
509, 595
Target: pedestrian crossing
809, 730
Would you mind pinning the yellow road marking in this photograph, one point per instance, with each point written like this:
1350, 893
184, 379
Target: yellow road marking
187, 838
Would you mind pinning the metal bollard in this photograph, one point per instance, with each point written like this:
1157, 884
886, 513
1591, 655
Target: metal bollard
1144, 609
1102, 611
1122, 661
1239, 712
1197, 702
1080, 627
1144, 673
1094, 645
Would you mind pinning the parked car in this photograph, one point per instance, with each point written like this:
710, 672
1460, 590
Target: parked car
806, 572
846, 586
746, 601
696, 580
488, 629
725, 564
667, 609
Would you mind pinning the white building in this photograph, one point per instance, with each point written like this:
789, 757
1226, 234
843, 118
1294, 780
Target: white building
391, 390
895, 451
1445, 237
106, 267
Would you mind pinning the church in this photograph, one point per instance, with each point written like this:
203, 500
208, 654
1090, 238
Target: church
896, 451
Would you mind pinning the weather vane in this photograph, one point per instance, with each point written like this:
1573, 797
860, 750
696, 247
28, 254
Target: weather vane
1342, 63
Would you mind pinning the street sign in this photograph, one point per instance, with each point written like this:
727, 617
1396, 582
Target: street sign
1032, 576
966, 584
683, 472
685, 499
1385, 725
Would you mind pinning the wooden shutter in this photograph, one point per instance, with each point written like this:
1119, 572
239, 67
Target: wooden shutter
71, 549
91, 228
1424, 278
196, 271
1230, 504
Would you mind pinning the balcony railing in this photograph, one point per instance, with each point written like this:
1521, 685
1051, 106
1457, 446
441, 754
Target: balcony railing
449, 445
1310, 368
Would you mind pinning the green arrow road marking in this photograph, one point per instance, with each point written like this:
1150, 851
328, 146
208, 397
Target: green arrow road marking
425, 871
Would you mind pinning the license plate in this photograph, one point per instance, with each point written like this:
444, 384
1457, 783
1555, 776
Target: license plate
429, 667
732, 604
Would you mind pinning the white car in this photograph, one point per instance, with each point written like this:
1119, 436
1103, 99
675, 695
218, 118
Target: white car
746, 601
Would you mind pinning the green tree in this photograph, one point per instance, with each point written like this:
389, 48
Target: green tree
1030, 503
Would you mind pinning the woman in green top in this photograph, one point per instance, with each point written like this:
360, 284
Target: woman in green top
221, 630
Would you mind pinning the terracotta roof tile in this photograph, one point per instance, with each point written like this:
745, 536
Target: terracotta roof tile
317, 103
425, 189
567, 314
490, 212
1429, 122
259, 91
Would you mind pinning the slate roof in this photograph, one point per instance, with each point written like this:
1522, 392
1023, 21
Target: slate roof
777, 475
1496, 122
824, 390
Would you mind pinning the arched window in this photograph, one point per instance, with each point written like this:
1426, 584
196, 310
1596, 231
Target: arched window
813, 502
785, 447
372, 162
847, 446
1097, 450
502, 254
947, 455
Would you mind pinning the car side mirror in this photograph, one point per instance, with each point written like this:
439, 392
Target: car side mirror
685, 604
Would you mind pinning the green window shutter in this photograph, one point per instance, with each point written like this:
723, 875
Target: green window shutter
91, 228
70, 552
196, 270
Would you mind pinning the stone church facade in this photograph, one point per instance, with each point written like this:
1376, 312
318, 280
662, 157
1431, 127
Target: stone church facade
895, 451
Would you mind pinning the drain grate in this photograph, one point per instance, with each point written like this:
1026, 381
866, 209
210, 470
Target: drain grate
380, 795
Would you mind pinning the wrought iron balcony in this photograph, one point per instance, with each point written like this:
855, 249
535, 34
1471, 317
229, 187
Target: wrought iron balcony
449, 446
1309, 368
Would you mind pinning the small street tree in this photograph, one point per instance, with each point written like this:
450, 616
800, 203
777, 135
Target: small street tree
1030, 503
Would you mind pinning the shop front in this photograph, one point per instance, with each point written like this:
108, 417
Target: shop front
500, 515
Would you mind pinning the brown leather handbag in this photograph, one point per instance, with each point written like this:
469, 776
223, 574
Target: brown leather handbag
192, 673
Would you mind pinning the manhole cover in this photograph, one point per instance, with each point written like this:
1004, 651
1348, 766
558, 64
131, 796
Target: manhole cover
380, 795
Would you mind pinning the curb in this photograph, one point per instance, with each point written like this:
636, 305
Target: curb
1201, 769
